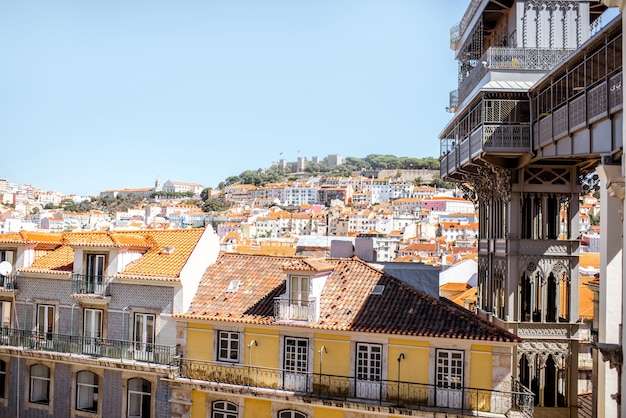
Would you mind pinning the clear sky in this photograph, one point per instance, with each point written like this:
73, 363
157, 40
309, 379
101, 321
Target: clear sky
98, 95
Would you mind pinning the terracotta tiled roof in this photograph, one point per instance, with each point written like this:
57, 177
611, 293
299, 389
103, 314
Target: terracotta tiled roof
160, 264
346, 302
454, 287
59, 261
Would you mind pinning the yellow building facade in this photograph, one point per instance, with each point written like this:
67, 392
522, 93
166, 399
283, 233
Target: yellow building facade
286, 337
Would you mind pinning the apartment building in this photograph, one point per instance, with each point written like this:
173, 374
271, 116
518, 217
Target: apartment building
287, 337
87, 328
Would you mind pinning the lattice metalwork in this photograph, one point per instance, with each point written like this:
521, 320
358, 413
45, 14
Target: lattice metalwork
506, 136
615, 91
596, 101
577, 111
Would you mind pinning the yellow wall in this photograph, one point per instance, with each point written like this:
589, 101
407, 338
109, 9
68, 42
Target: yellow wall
328, 413
265, 353
336, 358
415, 366
199, 342
257, 408
198, 404
481, 366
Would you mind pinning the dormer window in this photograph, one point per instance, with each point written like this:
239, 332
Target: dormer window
93, 279
299, 288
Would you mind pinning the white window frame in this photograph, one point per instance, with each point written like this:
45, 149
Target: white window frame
231, 340
39, 384
5, 314
366, 354
299, 288
296, 355
91, 315
449, 371
87, 389
138, 395
290, 413
46, 320
224, 409
142, 335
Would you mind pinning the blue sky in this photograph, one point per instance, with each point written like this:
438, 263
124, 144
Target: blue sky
98, 95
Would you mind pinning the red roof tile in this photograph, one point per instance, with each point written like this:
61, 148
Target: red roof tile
346, 301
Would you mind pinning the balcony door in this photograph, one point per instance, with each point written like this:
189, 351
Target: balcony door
144, 336
368, 370
95, 272
299, 298
449, 378
92, 330
296, 364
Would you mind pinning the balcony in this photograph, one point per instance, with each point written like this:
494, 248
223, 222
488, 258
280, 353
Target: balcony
502, 139
93, 347
295, 310
510, 59
83, 284
8, 283
388, 393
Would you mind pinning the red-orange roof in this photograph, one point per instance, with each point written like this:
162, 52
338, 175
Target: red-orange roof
346, 302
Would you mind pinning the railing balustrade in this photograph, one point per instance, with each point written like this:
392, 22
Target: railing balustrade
9, 281
504, 58
294, 310
95, 347
90, 284
386, 392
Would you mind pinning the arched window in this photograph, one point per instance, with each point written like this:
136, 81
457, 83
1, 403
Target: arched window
39, 384
87, 391
288, 413
139, 398
223, 409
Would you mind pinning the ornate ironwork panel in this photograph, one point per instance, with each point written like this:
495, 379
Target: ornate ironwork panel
560, 122
545, 130
615, 91
506, 136
578, 111
596, 101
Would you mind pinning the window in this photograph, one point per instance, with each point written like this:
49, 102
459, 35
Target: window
95, 272
5, 314
144, 331
296, 354
3, 378
291, 414
369, 361
39, 384
139, 392
228, 346
450, 369
45, 320
7, 255
299, 288
87, 391
223, 409
92, 323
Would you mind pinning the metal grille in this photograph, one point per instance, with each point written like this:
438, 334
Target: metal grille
596, 101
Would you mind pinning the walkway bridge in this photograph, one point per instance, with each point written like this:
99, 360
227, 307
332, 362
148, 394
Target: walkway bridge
575, 116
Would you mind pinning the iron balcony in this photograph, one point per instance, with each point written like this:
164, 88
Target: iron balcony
392, 393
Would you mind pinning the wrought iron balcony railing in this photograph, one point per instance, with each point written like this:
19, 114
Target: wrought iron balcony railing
8, 282
385, 392
90, 284
295, 310
503, 58
94, 347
